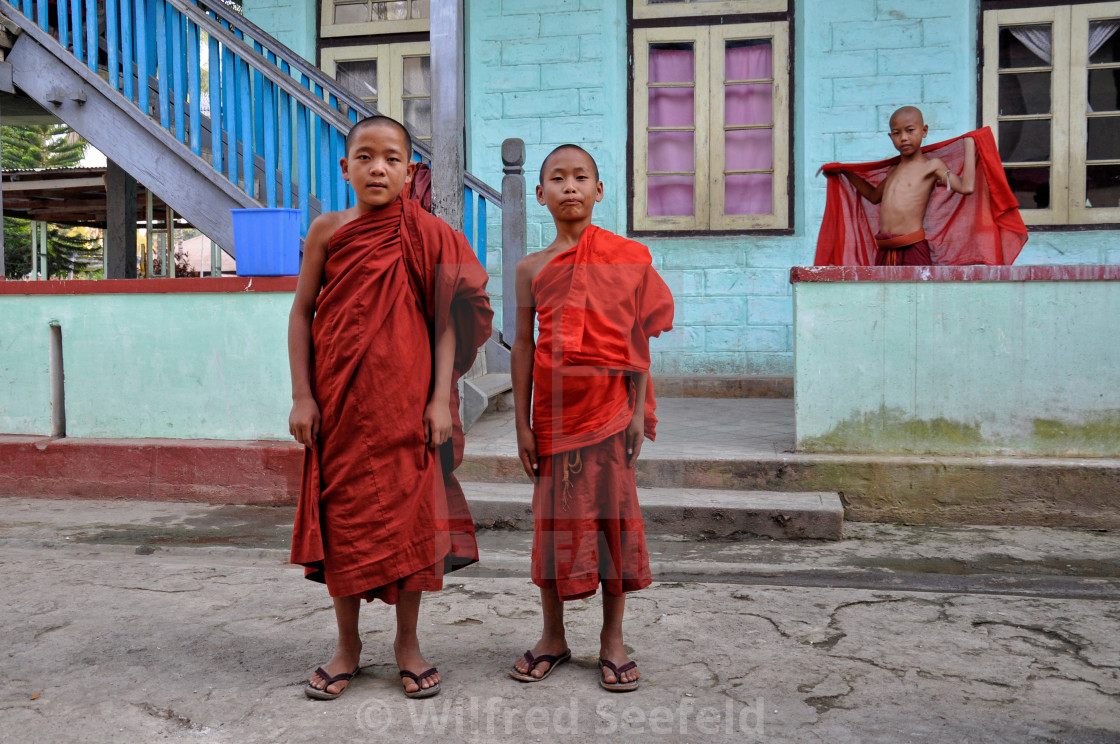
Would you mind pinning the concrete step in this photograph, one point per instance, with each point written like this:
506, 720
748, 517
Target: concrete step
484, 393
691, 512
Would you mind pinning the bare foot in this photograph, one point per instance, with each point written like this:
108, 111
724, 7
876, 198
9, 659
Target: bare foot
546, 646
344, 660
409, 659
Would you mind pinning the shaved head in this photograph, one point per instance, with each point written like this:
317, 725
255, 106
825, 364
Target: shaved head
379, 120
909, 111
594, 165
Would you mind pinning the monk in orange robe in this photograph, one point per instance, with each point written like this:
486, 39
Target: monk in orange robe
390, 309
598, 301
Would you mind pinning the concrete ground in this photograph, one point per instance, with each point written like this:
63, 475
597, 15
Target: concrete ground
141, 621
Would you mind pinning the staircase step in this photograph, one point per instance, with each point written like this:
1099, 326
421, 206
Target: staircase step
493, 383
692, 512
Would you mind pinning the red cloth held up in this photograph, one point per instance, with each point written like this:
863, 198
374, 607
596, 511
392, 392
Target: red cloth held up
982, 228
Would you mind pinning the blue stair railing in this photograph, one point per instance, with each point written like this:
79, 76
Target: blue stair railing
276, 124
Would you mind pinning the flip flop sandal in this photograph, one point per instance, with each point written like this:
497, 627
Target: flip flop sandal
317, 694
422, 692
553, 662
618, 672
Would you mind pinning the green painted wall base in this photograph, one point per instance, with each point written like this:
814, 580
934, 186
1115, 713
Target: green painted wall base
967, 367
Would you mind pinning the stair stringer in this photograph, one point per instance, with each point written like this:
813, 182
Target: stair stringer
116, 127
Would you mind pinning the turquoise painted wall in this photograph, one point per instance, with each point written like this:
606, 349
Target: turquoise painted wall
187, 366
1027, 368
293, 22
554, 71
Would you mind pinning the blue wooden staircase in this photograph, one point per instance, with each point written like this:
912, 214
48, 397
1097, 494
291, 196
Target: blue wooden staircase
267, 131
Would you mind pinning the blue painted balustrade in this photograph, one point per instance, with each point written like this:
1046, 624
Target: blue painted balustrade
270, 122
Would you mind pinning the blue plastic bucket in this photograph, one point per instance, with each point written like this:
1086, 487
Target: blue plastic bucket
266, 241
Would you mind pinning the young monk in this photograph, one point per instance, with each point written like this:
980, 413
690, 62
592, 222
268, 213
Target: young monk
389, 310
904, 194
597, 300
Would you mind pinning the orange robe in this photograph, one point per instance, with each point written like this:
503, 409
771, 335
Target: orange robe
597, 306
982, 228
379, 511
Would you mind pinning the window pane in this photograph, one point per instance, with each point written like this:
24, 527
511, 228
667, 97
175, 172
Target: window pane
1104, 90
1024, 141
1024, 93
359, 77
749, 59
1024, 46
391, 11
671, 63
671, 151
1104, 41
749, 104
749, 149
417, 76
751, 193
418, 117
1102, 185
351, 13
671, 107
420, 9
1104, 138
1031, 186
670, 196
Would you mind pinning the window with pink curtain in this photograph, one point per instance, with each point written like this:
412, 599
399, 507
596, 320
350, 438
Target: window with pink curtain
748, 127
671, 179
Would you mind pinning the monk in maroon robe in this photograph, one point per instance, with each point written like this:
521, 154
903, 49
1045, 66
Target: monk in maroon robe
597, 300
390, 309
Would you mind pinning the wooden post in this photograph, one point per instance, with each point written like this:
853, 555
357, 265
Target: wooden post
448, 111
513, 231
120, 223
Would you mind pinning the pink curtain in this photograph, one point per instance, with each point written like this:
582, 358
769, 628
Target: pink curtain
674, 150
749, 149
671, 150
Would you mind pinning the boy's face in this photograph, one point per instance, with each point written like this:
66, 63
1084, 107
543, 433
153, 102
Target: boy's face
907, 132
570, 188
377, 165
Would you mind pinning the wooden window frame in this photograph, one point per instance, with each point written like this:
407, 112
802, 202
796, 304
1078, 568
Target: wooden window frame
646, 9
708, 120
328, 28
387, 74
1069, 120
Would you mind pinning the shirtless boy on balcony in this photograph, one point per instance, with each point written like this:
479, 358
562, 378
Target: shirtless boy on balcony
904, 194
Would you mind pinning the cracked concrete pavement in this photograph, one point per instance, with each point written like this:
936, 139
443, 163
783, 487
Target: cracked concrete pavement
132, 621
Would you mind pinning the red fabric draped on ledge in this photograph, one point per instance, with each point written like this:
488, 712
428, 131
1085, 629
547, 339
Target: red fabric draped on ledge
982, 228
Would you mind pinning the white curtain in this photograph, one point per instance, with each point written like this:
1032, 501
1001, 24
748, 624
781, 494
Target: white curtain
1037, 39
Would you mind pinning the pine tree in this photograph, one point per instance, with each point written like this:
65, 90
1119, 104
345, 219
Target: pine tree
68, 248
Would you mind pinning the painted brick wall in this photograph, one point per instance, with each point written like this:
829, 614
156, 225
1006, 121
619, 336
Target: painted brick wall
292, 22
860, 60
548, 72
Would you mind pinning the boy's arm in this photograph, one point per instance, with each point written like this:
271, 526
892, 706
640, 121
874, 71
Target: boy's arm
873, 194
636, 431
437, 414
521, 369
304, 420
965, 183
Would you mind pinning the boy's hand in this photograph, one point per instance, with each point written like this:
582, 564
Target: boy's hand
527, 451
304, 420
437, 423
635, 433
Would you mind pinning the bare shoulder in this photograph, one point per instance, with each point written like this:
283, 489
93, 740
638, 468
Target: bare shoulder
531, 264
325, 225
